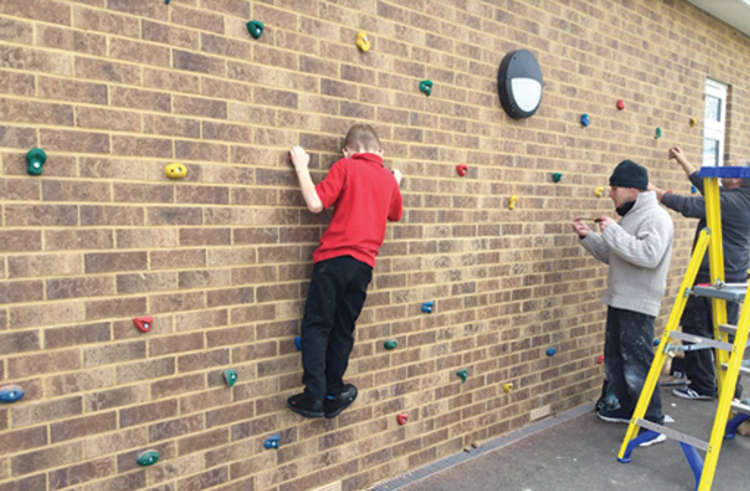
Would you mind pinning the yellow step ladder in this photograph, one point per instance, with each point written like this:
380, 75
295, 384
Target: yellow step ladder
728, 356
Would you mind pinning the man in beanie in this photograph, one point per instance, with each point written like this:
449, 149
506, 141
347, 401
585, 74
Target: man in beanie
697, 317
637, 249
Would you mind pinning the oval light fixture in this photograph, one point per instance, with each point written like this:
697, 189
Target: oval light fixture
519, 84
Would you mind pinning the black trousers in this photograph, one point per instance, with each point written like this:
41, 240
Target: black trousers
627, 358
334, 301
699, 364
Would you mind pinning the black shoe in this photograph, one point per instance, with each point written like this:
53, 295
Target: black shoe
335, 404
305, 405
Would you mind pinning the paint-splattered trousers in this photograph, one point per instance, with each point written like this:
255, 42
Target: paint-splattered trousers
627, 358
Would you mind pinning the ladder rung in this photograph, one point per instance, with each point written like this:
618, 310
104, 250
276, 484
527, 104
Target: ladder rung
740, 407
677, 435
700, 340
732, 291
743, 368
728, 328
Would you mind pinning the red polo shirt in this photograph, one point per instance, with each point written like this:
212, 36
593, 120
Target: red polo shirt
364, 194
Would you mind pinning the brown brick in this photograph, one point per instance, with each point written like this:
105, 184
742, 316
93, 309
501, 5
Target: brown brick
177, 302
147, 412
141, 99
43, 363
175, 344
111, 215
29, 215
232, 91
168, 34
32, 482
148, 282
53, 190
43, 10
203, 441
212, 152
148, 147
33, 60
30, 414
115, 353
79, 287
226, 132
116, 442
36, 112
18, 342
71, 90
236, 8
184, 258
99, 309
71, 40
45, 314
20, 240
275, 97
231, 256
205, 480
202, 194
105, 119
74, 141
46, 458
198, 106
24, 439
124, 396
80, 381
171, 126
174, 215
204, 236
172, 81
115, 261
79, 427
188, 321
97, 20
133, 480
185, 60
139, 239
17, 137
17, 83
43, 265
81, 473
204, 278
16, 31
139, 9
175, 427
230, 296
200, 19
134, 372
126, 49
77, 239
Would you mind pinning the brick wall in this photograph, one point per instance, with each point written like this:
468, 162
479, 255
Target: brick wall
114, 90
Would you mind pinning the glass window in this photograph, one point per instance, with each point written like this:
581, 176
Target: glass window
710, 151
713, 108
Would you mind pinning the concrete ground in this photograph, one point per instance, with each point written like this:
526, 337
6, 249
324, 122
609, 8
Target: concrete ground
576, 451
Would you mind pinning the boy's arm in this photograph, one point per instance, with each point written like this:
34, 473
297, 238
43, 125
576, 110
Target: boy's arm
396, 210
301, 160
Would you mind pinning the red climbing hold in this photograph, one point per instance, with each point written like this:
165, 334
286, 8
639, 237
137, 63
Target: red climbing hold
462, 169
600, 359
144, 324
620, 104
402, 418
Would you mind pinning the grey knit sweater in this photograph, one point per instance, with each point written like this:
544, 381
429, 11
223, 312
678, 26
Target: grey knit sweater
638, 249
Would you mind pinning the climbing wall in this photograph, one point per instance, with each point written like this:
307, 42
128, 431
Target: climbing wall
153, 267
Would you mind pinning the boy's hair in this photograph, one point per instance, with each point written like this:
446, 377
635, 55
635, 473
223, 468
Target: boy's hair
362, 136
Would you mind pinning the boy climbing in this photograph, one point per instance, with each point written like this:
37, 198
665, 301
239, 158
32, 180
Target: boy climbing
364, 195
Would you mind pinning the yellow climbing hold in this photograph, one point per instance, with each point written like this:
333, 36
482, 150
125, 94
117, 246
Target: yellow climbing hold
175, 171
362, 41
512, 202
508, 387
599, 191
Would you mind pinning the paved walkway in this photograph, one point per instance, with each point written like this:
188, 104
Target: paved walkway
576, 451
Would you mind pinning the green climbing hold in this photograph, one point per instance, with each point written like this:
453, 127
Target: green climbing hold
230, 377
35, 159
148, 457
463, 374
255, 28
425, 86
657, 134
557, 176
391, 344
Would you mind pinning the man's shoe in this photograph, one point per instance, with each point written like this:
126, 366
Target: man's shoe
614, 416
660, 437
335, 404
689, 393
305, 405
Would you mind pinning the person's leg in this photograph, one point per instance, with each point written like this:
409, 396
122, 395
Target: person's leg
357, 277
613, 360
636, 341
699, 364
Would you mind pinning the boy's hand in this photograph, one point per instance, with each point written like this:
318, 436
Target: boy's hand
398, 176
299, 158
676, 154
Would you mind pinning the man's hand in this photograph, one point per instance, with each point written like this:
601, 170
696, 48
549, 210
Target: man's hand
398, 176
604, 222
675, 153
299, 158
580, 228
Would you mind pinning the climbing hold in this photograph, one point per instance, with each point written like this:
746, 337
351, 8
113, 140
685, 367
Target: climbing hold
599, 191
427, 307
166, 2
600, 359
462, 169
230, 376
620, 104
272, 441
175, 171
657, 133
693, 122
512, 202
463, 374
556, 176
551, 351
144, 324
585, 121
298, 342
11, 393
693, 189
390, 344
255, 28
508, 387
148, 457
402, 418
425, 86
35, 159
657, 341
362, 42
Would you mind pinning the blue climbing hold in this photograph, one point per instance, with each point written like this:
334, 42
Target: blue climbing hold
166, 2
693, 189
298, 342
551, 351
11, 393
427, 307
656, 341
585, 121
272, 441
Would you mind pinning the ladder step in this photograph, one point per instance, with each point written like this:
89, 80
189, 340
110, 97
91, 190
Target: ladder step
728, 328
743, 368
729, 291
700, 340
674, 434
741, 407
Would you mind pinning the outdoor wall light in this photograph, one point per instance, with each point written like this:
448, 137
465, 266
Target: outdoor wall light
519, 84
